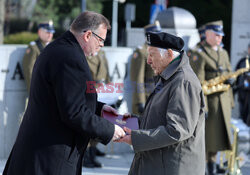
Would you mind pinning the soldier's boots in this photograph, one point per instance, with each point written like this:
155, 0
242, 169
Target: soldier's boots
90, 160
220, 170
211, 166
214, 169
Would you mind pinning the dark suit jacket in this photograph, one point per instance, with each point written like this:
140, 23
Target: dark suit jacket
60, 117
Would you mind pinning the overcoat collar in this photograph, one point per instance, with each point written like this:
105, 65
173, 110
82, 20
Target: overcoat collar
72, 40
172, 68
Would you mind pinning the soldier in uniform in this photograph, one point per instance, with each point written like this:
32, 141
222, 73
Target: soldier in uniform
141, 74
202, 36
98, 65
209, 61
45, 35
243, 89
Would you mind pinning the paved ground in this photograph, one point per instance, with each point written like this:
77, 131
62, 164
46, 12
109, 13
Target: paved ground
112, 165
246, 167
119, 164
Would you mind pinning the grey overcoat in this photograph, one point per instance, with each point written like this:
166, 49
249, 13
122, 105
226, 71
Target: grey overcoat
171, 138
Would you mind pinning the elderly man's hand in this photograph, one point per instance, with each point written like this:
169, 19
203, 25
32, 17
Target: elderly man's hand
119, 133
126, 138
127, 115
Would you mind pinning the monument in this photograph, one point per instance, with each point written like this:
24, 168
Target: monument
240, 30
173, 20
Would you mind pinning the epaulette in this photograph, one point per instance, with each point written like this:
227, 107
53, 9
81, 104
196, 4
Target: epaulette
139, 47
199, 49
135, 54
101, 54
32, 43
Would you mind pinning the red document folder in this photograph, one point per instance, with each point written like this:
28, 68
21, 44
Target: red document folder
121, 121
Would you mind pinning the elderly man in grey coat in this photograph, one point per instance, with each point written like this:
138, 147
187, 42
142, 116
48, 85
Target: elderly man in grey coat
171, 138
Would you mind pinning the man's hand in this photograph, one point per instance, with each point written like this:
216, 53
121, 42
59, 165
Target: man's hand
109, 109
230, 81
127, 138
127, 115
119, 133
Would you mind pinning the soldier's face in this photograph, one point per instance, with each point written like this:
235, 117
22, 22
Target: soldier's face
213, 39
45, 36
157, 62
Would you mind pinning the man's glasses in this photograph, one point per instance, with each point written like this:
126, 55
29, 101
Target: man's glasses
99, 38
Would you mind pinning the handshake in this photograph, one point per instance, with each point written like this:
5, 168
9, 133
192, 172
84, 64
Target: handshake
122, 135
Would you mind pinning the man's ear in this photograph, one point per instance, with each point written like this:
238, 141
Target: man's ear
86, 36
39, 31
170, 53
207, 33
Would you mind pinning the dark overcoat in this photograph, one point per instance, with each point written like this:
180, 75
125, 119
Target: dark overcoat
171, 139
60, 117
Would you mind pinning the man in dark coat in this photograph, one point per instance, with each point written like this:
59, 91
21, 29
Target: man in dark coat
62, 114
243, 89
171, 138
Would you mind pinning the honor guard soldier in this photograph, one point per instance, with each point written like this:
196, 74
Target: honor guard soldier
209, 61
98, 65
45, 35
141, 74
201, 31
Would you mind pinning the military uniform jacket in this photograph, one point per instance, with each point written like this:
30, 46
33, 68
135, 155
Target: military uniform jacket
98, 65
194, 49
171, 138
60, 117
29, 59
207, 64
141, 75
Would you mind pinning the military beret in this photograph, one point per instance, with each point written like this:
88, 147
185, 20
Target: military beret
48, 26
165, 41
156, 27
216, 27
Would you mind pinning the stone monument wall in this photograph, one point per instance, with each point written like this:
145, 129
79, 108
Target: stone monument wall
240, 30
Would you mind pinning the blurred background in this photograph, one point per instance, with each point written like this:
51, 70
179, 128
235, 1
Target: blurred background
20, 17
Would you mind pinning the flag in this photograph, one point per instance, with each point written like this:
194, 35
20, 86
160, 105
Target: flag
157, 7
